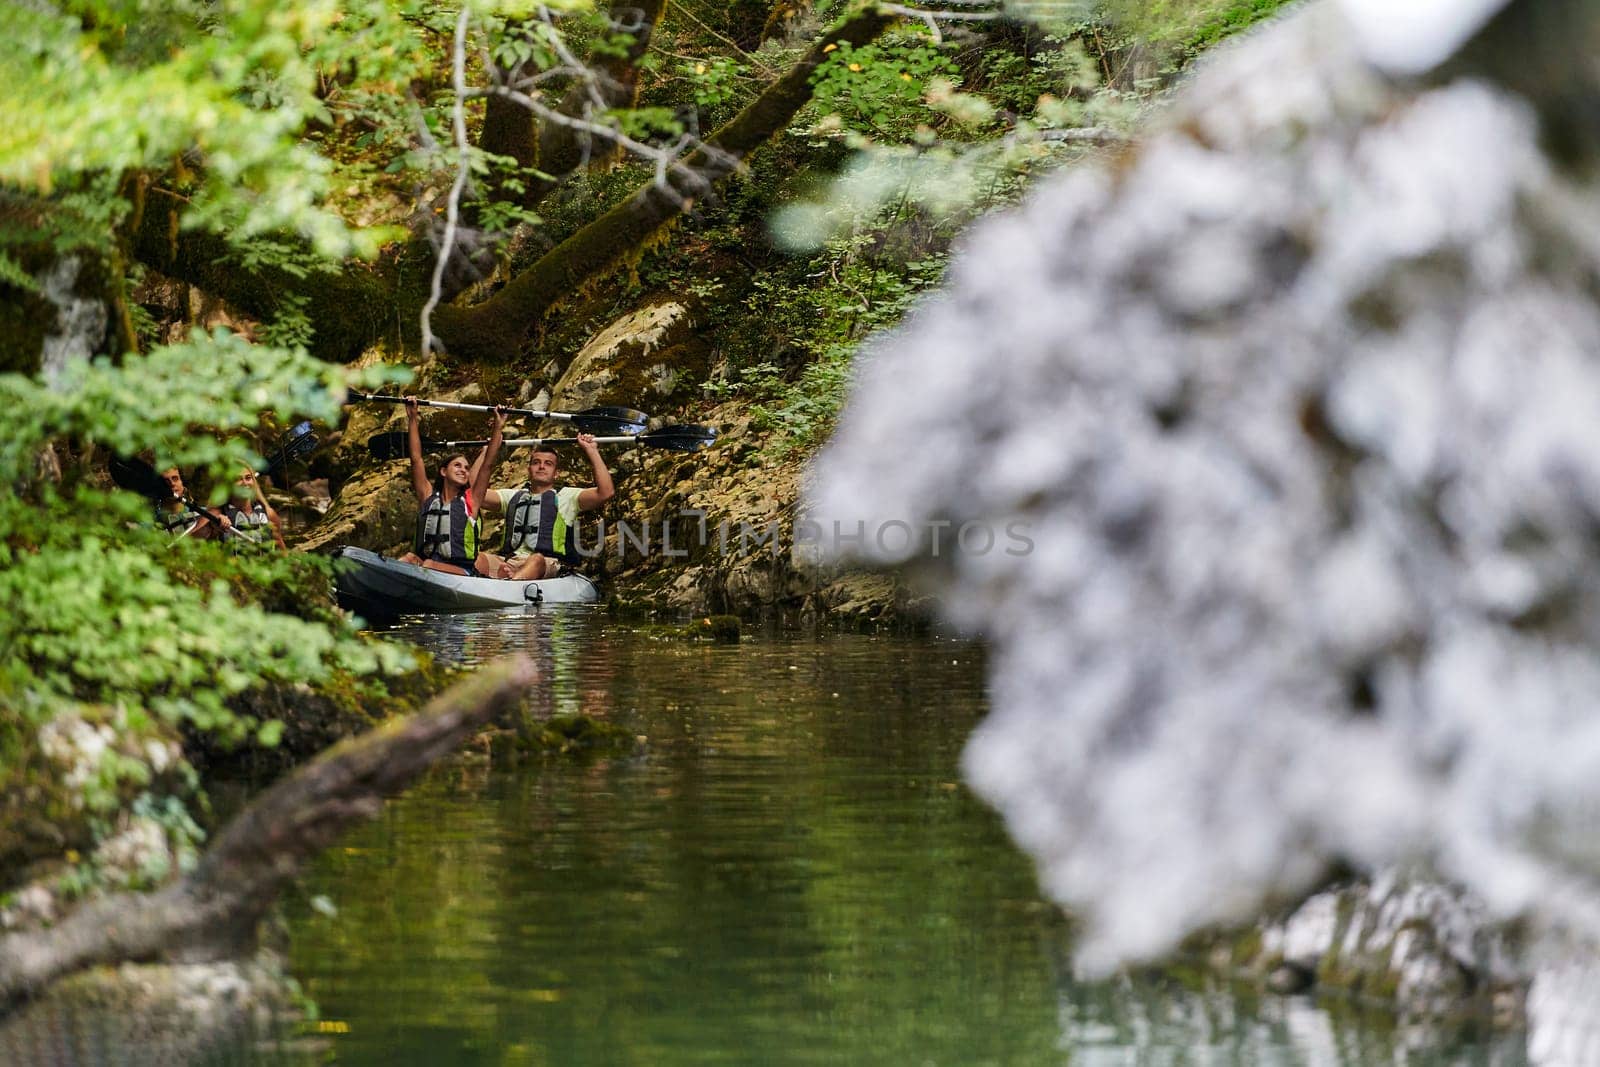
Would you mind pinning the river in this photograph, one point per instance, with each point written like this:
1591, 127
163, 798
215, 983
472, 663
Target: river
787, 869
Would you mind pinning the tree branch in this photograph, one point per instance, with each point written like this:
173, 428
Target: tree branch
498, 325
511, 128
213, 912
614, 84
458, 121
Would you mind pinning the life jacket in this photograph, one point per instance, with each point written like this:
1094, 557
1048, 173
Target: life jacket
449, 532
534, 524
250, 525
176, 522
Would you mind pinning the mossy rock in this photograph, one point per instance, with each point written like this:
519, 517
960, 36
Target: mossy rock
718, 629
40, 818
562, 735
376, 509
647, 357
315, 717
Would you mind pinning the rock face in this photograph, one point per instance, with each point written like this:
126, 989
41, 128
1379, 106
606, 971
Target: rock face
718, 532
376, 510
1297, 410
647, 355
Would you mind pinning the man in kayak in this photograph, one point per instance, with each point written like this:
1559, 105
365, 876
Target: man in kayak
540, 538
178, 515
448, 520
254, 520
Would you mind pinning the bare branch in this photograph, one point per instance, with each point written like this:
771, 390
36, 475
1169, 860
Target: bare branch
498, 325
458, 77
663, 158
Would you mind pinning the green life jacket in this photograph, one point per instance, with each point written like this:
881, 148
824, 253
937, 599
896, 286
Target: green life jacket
176, 522
447, 533
534, 524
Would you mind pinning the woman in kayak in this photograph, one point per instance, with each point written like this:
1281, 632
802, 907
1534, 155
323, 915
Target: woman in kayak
255, 522
448, 522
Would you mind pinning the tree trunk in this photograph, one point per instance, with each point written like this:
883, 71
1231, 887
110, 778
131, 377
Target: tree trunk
497, 326
213, 912
562, 149
349, 307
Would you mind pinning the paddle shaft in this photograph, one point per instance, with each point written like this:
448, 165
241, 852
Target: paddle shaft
527, 413
393, 445
429, 445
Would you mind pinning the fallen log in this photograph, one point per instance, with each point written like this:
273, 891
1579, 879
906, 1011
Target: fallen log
213, 912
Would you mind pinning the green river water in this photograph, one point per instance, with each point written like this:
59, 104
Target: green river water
787, 870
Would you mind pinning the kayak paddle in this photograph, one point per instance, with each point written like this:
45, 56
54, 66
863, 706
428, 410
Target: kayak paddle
685, 438
137, 476
590, 420
298, 443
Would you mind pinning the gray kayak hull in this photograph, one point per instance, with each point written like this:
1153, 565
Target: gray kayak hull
373, 585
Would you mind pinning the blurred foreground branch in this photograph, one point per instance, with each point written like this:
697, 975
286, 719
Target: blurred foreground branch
213, 912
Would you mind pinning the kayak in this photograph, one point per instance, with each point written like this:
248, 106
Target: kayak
375, 586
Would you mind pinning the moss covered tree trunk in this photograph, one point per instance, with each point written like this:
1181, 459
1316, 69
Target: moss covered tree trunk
355, 306
496, 327
565, 149
349, 308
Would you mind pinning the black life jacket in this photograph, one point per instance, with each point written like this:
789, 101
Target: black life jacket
446, 533
534, 524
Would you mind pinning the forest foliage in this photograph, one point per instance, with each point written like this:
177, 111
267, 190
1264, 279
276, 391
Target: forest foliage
304, 163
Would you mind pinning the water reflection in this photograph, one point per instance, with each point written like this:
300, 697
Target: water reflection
788, 871
572, 651
1156, 1020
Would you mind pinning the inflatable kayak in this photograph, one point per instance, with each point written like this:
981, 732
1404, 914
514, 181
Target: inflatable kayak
375, 586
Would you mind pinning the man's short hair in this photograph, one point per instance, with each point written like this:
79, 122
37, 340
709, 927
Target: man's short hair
550, 451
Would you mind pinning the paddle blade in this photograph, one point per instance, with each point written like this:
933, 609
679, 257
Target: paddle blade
607, 421
298, 443
679, 438
391, 445
137, 476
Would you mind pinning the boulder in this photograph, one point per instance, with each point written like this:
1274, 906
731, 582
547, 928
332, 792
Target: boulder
648, 357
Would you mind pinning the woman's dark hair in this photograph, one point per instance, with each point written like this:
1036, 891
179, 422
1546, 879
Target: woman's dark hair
451, 458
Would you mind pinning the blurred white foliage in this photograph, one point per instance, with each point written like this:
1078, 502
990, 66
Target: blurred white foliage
1411, 36
1301, 407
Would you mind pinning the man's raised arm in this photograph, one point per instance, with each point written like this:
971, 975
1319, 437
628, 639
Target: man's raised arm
602, 489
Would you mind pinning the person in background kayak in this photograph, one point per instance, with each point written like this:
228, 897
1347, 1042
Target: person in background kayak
179, 516
255, 522
540, 537
448, 521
